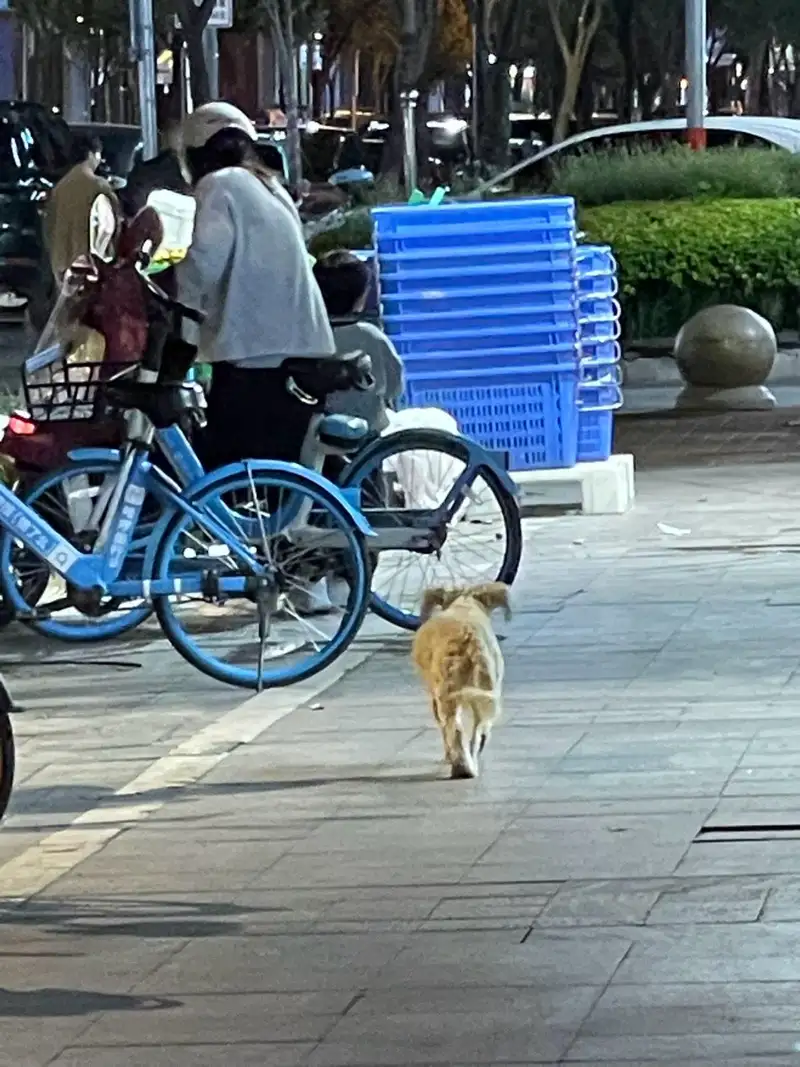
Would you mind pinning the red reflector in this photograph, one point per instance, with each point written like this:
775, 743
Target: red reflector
20, 426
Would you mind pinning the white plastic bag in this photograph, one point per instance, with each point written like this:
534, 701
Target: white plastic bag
424, 477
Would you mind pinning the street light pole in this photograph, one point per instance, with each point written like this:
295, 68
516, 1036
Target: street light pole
143, 50
408, 98
696, 37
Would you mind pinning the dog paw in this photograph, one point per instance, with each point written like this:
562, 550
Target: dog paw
463, 771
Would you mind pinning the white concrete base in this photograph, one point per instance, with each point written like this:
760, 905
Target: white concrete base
605, 488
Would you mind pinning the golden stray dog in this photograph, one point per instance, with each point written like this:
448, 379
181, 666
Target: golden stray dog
458, 656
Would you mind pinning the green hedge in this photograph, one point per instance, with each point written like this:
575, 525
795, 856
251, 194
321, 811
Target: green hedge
677, 173
676, 258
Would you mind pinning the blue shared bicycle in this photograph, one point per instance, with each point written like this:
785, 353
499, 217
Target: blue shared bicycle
461, 526
442, 509
244, 538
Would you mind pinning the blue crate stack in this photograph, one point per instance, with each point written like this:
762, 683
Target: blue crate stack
481, 301
600, 388
502, 319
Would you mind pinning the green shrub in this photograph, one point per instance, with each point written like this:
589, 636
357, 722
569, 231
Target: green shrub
678, 173
355, 232
678, 257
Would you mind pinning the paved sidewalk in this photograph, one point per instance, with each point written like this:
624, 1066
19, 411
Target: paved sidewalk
291, 880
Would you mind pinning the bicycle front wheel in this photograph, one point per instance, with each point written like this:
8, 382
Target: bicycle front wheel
297, 630
415, 471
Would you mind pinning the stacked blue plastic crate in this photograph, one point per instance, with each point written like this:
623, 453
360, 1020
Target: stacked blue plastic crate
481, 301
600, 391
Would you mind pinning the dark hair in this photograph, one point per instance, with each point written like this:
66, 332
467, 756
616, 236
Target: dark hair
85, 145
228, 148
343, 281
269, 155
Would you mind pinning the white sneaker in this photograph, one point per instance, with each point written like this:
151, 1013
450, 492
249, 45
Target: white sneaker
338, 592
311, 599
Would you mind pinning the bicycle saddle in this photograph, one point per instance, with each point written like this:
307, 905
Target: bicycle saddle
345, 433
164, 405
312, 380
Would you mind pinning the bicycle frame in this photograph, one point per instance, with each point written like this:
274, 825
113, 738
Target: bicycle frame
100, 569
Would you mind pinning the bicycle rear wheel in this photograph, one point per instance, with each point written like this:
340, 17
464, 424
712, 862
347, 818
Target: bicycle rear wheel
61, 497
417, 469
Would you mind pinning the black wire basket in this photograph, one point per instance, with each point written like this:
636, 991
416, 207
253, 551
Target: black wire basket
57, 388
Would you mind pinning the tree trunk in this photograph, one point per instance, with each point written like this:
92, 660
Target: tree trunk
177, 103
756, 65
794, 99
584, 103
293, 146
392, 154
574, 48
566, 108
493, 116
194, 19
624, 11
198, 71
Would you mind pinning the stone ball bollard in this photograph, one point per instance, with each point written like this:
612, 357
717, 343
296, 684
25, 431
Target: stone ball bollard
725, 355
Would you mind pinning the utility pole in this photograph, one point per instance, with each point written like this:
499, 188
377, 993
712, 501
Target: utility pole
696, 37
143, 51
408, 98
480, 55
211, 52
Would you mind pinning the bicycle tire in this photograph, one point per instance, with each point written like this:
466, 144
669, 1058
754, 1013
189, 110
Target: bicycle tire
231, 674
431, 440
7, 761
16, 601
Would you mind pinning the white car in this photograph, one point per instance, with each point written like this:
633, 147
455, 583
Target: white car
749, 131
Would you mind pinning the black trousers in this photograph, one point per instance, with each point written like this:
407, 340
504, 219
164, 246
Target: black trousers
251, 416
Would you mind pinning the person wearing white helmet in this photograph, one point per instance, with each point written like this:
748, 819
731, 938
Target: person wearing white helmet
247, 268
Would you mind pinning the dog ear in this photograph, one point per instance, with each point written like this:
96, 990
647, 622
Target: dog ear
493, 595
436, 597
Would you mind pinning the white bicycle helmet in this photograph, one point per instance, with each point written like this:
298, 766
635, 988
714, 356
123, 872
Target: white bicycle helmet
209, 119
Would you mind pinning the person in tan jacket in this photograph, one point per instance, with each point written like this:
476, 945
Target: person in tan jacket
68, 216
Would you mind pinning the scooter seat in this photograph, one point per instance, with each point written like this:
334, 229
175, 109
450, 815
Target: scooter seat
343, 432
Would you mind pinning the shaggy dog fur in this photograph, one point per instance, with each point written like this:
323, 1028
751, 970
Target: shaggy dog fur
459, 658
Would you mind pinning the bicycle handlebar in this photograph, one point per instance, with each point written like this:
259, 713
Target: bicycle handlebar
171, 304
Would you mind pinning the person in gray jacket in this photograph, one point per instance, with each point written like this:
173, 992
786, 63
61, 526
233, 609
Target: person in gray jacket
248, 270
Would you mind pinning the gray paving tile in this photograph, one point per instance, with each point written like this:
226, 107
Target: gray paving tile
692, 1009
218, 1018
444, 1025
280, 963
730, 900
598, 904
462, 960
720, 858
728, 1048
82, 963
602, 847
32, 1038
233, 1054
724, 953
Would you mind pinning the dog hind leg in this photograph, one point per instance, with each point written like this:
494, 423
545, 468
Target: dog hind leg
483, 715
459, 756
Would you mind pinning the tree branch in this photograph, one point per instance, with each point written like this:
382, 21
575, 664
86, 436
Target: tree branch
554, 7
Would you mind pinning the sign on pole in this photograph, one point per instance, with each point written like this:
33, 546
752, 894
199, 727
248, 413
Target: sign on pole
221, 16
